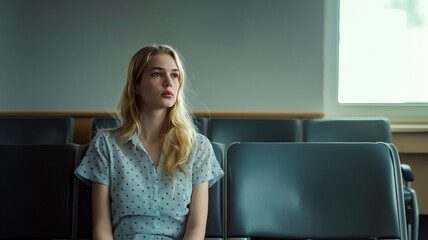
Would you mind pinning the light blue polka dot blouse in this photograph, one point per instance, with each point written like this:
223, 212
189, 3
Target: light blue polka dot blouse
143, 204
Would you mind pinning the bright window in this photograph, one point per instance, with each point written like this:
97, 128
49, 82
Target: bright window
383, 51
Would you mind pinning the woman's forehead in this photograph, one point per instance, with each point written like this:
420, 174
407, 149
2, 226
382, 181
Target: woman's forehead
162, 62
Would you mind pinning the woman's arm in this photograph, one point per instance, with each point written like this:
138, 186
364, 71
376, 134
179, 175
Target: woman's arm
198, 213
101, 215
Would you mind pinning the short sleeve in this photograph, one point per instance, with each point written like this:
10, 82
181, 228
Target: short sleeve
205, 165
95, 166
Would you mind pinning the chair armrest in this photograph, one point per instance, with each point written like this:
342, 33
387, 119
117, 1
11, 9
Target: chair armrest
407, 172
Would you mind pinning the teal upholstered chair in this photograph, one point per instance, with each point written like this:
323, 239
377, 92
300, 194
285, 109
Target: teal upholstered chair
215, 224
365, 130
346, 130
36, 130
228, 130
82, 207
98, 123
37, 191
314, 191
202, 124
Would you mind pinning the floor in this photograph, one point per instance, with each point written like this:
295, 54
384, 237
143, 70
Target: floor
423, 227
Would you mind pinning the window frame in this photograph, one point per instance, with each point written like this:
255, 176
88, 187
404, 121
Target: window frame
399, 112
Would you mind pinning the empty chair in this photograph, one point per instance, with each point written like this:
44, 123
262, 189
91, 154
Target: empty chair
346, 130
36, 130
215, 209
98, 123
36, 183
314, 191
410, 199
83, 208
228, 130
364, 130
202, 125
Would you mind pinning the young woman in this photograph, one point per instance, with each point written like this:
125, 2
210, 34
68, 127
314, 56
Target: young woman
150, 176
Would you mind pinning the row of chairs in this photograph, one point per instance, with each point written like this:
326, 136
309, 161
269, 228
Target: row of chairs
59, 130
271, 190
36, 130
229, 130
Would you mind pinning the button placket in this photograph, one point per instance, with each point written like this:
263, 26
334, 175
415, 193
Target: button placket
154, 179
155, 191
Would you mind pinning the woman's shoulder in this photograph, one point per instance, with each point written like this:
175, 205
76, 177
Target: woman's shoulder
201, 139
105, 136
201, 143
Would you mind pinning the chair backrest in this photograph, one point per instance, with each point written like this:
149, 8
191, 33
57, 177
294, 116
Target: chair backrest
202, 124
215, 208
83, 197
98, 123
36, 130
314, 190
228, 130
346, 130
36, 183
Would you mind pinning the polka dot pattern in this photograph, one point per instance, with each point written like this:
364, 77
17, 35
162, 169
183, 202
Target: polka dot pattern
143, 203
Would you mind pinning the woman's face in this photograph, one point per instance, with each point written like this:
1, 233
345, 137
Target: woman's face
159, 84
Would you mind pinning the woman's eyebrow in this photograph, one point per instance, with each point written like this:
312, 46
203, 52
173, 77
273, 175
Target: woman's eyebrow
159, 68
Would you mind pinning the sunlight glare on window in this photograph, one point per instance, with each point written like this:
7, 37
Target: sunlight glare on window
383, 51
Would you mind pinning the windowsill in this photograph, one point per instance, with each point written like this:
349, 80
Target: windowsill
409, 128
410, 138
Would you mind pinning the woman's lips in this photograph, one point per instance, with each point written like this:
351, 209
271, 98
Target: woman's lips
167, 94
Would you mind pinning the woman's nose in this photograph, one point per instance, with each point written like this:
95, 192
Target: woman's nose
167, 81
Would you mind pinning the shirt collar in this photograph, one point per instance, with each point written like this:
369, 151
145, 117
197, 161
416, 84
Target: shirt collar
133, 138
137, 143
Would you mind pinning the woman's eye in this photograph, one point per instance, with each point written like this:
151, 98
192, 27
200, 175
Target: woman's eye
174, 75
156, 74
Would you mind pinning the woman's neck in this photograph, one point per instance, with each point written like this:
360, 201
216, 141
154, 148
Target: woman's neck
151, 124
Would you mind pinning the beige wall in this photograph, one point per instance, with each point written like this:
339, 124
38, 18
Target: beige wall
240, 56
413, 147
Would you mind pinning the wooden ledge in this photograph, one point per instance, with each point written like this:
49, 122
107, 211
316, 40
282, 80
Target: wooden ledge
197, 114
258, 115
56, 114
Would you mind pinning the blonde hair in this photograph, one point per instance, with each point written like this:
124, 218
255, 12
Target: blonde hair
178, 132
